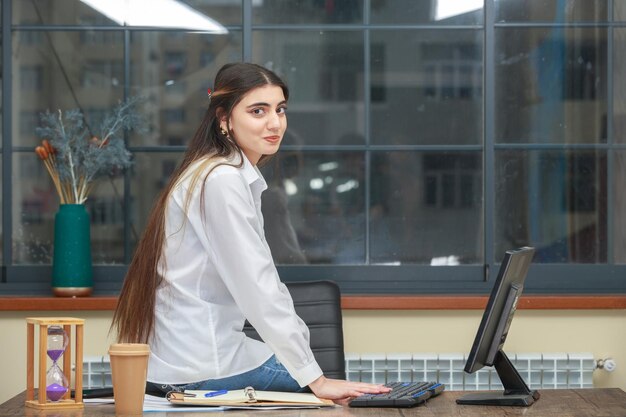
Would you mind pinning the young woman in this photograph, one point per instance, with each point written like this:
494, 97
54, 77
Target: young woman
203, 265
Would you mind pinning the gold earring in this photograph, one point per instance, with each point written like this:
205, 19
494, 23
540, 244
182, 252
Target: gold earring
223, 132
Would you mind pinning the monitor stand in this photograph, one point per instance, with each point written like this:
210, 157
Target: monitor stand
516, 392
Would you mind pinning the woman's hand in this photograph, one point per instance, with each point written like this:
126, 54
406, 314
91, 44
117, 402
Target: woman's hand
341, 392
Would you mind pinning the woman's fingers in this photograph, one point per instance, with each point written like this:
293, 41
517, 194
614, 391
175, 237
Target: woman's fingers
371, 388
336, 389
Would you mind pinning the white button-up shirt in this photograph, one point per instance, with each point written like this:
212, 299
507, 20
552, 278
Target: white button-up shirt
218, 270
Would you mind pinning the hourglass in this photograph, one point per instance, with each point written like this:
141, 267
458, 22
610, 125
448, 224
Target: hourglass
54, 343
56, 382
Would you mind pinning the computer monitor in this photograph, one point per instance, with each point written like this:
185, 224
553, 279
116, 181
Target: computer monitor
492, 332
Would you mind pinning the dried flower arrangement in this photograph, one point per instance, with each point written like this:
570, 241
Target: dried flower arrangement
75, 155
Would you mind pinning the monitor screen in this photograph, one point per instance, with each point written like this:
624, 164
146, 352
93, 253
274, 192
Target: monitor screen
487, 349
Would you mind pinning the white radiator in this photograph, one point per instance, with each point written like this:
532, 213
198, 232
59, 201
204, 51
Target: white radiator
96, 372
539, 370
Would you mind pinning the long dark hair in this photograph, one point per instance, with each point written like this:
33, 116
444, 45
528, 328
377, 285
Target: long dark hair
134, 315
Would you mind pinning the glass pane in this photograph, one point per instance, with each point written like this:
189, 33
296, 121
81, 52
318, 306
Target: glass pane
619, 220
1, 214
57, 12
551, 10
75, 12
426, 208
36, 203
619, 11
150, 173
174, 70
283, 173
1, 94
550, 85
324, 71
554, 201
619, 85
427, 87
313, 207
446, 12
320, 197
307, 11
63, 70
106, 211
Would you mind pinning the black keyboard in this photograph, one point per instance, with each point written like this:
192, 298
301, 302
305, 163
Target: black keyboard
403, 394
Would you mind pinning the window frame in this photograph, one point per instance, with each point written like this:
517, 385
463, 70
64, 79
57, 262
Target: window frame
353, 279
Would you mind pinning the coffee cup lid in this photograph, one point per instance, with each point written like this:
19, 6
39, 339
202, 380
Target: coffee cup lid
130, 349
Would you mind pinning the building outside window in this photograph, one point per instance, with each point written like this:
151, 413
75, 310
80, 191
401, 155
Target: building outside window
425, 138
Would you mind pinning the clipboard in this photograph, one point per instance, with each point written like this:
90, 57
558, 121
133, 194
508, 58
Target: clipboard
247, 398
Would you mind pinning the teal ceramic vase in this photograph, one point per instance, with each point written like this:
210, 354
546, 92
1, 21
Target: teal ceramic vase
72, 274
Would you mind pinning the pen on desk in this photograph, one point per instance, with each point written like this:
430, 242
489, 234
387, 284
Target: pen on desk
215, 393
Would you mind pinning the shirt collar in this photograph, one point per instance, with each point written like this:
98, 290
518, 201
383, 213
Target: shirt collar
252, 174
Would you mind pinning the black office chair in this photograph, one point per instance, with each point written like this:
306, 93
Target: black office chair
318, 303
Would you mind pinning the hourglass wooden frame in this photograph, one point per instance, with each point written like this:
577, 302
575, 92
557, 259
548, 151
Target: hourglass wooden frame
66, 402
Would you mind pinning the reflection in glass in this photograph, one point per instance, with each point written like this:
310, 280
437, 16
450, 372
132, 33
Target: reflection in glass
445, 12
426, 208
550, 85
551, 11
57, 12
619, 85
554, 201
281, 174
619, 11
324, 72
1, 230
173, 70
76, 12
37, 203
427, 87
150, 174
163, 14
313, 207
324, 196
307, 11
1, 130
619, 207
225, 12
62, 71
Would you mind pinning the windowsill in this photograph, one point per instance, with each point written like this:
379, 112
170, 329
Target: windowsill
354, 302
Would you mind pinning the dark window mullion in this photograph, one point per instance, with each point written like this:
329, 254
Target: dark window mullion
610, 153
126, 198
489, 140
367, 110
7, 154
246, 22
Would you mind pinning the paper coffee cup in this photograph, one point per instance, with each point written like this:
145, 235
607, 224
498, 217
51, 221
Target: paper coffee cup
129, 369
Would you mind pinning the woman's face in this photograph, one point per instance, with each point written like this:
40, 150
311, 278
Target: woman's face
258, 122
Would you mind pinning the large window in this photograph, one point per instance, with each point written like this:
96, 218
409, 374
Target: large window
425, 137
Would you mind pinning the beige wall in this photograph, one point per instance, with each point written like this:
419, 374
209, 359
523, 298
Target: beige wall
602, 333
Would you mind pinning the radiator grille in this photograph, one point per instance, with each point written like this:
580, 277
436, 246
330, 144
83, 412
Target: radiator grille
539, 370
96, 372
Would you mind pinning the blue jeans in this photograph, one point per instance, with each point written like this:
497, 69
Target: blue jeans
271, 376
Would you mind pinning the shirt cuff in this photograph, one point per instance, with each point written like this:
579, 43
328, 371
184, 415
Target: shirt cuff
304, 376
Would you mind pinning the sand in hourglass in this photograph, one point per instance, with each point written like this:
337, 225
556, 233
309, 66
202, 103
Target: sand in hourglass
55, 392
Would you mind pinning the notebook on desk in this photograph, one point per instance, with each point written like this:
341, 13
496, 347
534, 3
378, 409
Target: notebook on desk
247, 398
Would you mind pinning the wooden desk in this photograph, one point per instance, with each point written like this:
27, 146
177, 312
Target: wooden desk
605, 402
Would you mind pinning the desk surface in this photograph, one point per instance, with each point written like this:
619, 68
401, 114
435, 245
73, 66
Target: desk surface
604, 402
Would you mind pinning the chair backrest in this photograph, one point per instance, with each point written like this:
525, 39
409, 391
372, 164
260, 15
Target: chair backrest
318, 303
